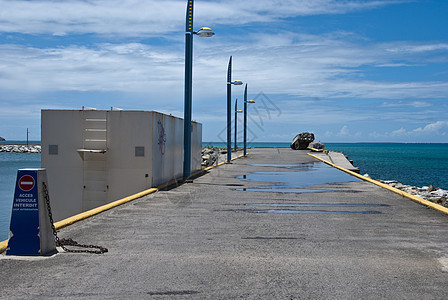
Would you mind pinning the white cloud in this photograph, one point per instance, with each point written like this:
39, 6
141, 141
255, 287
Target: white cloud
418, 48
440, 127
129, 17
125, 67
416, 104
331, 67
398, 132
344, 131
323, 66
397, 65
135, 18
307, 66
344, 134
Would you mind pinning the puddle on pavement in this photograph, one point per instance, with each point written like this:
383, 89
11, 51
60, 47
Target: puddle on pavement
315, 205
313, 211
270, 238
292, 211
301, 167
300, 178
222, 184
282, 190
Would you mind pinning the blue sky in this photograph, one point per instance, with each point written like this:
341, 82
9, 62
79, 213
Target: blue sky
349, 71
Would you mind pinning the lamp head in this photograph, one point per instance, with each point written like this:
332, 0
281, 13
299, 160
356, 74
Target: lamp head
205, 32
237, 82
251, 101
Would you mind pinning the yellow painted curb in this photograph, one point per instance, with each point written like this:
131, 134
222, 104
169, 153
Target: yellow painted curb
95, 211
237, 157
395, 190
3, 246
224, 162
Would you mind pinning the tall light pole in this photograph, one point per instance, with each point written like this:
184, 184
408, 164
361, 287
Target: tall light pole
203, 32
245, 118
236, 121
229, 108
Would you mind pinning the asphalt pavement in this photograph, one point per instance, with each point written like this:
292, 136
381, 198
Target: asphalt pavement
277, 224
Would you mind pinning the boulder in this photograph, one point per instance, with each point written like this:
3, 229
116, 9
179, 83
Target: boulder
317, 146
302, 140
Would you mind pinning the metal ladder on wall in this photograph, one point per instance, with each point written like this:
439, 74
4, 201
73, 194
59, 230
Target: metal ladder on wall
94, 155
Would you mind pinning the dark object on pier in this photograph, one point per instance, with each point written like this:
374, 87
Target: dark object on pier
317, 146
302, 140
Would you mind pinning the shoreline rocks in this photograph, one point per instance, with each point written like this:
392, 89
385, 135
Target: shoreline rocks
211, 155
20, 148
430, 193
316, 145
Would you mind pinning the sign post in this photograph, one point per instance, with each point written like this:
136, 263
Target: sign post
30, 231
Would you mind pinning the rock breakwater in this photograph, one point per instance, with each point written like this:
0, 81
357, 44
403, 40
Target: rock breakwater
211, 155
20, 148
430, 193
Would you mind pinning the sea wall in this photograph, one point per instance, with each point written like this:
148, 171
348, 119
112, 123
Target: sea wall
430, 193
20, 148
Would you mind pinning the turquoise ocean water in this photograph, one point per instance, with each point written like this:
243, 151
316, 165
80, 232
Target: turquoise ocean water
413, 164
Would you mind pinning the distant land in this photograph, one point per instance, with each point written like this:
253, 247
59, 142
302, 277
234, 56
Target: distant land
2, 139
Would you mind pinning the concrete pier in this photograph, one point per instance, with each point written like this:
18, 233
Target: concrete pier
278, 224
338, 159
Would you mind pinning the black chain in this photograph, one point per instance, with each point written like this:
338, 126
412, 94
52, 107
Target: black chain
68, 242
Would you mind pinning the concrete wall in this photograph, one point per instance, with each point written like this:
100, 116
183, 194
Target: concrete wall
129, 173
64, 167
96, 157
167, 148
196, 146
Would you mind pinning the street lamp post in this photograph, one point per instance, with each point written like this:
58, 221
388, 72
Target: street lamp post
202, 32
245, 118
229, 108
236, 121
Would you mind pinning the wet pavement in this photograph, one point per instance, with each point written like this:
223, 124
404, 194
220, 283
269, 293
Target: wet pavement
299, 178
277, 224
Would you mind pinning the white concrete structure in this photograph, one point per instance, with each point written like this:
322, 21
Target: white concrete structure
94, 157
